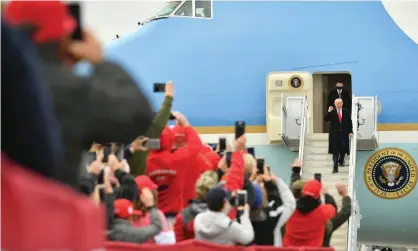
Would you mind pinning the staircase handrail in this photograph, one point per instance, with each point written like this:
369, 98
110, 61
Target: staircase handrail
303, 129
354, 220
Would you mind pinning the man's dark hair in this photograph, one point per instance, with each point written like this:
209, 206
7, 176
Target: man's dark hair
215, 199
339, 82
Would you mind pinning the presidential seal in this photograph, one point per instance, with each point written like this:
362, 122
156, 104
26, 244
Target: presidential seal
390, 173
295, 81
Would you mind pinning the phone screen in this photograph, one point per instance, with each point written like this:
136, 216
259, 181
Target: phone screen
222, 144
260, 166
172, 117
241, 199
239, 129
213, 146
121, 154
106, 151
75, 12
318, 176
152, 144
159, 87
228, 157
251, 151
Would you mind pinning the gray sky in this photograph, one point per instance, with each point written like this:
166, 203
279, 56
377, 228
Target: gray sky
108, 18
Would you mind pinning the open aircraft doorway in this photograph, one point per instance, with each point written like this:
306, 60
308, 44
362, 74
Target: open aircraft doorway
323, 84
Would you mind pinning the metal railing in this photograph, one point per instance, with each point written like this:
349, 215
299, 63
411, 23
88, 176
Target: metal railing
354, 221
303, 127
283, 118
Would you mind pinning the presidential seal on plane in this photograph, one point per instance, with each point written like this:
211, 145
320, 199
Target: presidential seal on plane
390, 173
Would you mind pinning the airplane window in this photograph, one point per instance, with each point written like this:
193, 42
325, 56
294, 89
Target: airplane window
186, 10
168, 8
203, 8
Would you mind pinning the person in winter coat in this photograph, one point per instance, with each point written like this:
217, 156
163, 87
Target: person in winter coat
183, 226
166, 167
215, 226
193, 167
138, 161
307, 225
124, 231
233, 177
340, 218
166, 236
272, 207
107, 106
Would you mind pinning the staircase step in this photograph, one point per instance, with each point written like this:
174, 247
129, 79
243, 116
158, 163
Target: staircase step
316, 136
315, 150
314, 156
317, 143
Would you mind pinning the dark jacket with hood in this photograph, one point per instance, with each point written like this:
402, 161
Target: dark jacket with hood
264, 220
183, 227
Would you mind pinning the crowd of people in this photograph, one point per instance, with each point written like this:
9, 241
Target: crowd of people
158, 184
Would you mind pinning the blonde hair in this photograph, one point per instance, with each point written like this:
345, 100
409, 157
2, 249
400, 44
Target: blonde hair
211, 174
249, 163
205, 182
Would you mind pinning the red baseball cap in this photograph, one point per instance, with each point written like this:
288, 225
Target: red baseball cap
144, 181
179, 134
123, 208
50, 18
312, 189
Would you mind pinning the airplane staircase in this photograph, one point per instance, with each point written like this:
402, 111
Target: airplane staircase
313, 152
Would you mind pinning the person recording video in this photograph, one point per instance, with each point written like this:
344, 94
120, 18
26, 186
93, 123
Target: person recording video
167, 166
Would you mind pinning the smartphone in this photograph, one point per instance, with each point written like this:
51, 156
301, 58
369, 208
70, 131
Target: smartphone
318, 176
213, 146
75, 12
172, 117
239, 129
260, 166
152, 144
228, 157
251, 151
106, 151
241, 198
121, 153
159, 87
91, 157
222, 144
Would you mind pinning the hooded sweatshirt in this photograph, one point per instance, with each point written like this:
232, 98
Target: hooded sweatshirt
217, 227
307, 225
168, 169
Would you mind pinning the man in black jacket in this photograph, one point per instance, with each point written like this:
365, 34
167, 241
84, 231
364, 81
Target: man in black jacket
341, 127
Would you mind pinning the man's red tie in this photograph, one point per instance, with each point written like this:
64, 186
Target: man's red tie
340, 116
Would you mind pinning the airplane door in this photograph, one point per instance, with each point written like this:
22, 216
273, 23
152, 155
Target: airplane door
280, 86
366, 122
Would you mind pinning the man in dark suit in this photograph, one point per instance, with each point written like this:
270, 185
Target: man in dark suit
340, 93
341, 127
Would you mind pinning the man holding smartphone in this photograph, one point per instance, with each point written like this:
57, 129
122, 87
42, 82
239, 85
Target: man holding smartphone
138, 162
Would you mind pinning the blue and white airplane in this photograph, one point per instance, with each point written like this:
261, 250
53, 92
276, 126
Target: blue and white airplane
272, 63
